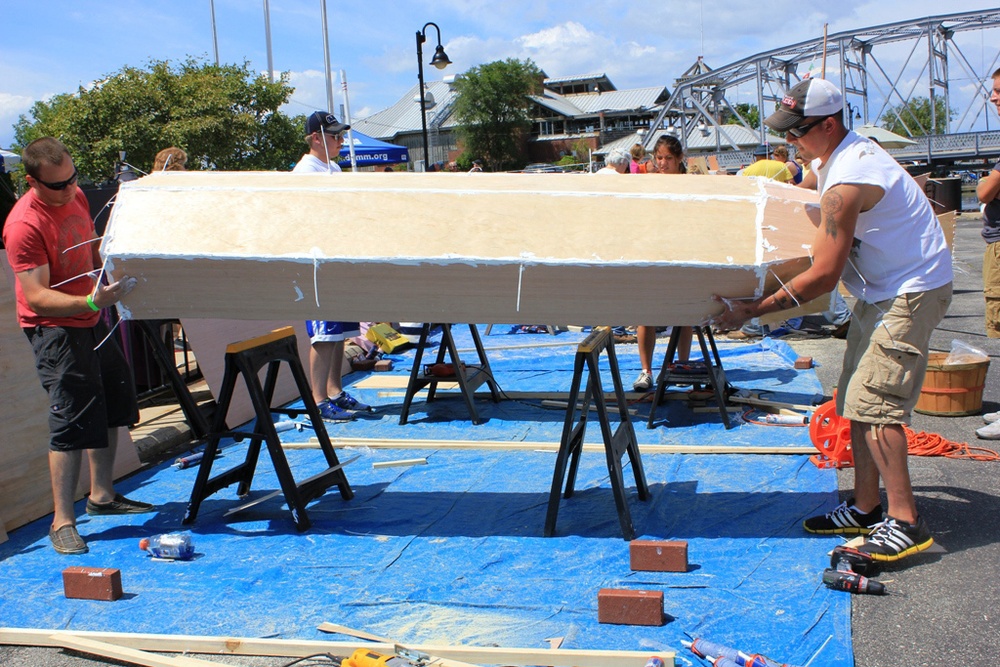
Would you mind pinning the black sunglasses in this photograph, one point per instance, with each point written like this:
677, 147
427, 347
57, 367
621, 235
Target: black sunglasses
60, 185
802, 130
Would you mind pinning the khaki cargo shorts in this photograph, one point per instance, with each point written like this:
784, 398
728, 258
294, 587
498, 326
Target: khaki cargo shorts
886, 356
991, 288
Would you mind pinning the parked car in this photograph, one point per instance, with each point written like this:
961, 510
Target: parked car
542, 168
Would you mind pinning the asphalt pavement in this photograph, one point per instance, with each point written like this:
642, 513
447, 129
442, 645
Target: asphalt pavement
942, 605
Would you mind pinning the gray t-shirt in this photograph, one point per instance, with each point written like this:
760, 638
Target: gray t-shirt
991, 218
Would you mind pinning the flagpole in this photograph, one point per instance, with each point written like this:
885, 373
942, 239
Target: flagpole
347, 118
326, 61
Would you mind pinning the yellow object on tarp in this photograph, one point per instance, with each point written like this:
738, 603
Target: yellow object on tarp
388, 339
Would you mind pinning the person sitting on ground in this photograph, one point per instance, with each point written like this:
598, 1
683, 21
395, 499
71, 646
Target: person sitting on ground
668, 156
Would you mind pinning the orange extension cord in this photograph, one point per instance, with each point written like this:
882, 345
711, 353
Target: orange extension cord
932, 444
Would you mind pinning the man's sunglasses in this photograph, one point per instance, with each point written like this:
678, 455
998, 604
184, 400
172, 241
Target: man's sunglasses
60, 185
802, 130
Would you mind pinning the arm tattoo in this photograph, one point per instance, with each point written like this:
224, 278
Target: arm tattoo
832, 205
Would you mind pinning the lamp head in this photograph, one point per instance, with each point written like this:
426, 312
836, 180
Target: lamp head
440, 59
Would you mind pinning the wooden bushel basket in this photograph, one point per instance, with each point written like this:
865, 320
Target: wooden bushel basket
952, 390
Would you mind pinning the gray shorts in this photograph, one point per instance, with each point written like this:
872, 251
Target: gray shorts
886, 356
89, 390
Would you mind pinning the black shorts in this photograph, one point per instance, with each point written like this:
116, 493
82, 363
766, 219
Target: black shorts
89, 390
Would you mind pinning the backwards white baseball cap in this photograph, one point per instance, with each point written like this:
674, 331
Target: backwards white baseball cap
808, 98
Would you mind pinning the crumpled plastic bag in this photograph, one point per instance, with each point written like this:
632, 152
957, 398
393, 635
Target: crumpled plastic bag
963, 353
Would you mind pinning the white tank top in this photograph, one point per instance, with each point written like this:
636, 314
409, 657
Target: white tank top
899, 247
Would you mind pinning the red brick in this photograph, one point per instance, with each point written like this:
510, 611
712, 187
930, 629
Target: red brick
383, 365
629, 607
92, 583
804, 362
658, 555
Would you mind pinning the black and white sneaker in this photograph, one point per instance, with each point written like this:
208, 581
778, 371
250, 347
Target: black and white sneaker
844, 519
894, 539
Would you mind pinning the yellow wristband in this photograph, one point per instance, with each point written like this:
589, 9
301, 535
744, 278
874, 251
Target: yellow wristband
90, 302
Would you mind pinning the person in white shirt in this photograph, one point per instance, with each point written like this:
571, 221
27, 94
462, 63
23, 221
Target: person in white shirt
325, 136
879, 234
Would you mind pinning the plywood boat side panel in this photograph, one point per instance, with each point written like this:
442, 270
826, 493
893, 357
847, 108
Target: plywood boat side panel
487, 248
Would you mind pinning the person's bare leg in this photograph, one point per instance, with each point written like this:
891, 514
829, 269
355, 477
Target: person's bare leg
646, 337
102, 470
334, 382
888, 451
684, 345
64, 469
866, 476
320, 355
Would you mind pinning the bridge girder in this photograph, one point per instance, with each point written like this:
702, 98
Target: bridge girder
853, 60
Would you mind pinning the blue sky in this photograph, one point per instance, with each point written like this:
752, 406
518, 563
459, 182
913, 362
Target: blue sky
55, 46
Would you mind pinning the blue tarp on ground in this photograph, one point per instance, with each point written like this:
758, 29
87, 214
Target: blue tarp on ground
370, 151
452, 551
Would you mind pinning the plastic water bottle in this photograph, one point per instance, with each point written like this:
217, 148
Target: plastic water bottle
655, 661
172, 546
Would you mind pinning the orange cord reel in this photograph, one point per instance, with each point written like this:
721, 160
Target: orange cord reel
831, 435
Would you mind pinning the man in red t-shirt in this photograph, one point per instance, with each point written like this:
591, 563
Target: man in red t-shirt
50, 241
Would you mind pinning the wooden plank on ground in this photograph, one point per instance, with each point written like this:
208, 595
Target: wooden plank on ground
361, 634
299, 648
129, 655
505, 445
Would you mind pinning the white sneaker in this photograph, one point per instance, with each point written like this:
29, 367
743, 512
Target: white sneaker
990, 417
643, 383
990, 432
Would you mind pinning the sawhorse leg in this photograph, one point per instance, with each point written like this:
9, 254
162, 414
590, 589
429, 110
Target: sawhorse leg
467, 378
247, 359
617, 443
714, 374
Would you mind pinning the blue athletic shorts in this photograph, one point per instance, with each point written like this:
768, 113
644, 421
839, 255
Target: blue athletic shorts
89, 390
331, 332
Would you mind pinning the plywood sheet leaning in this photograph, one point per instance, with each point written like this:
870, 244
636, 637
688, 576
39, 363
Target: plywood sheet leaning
485, 248
25, 486
209, 339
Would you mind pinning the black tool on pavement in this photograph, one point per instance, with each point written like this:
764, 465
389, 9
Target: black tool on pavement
847, 569
852, 582
849, 559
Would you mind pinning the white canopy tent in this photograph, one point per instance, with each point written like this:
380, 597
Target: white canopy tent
8, 160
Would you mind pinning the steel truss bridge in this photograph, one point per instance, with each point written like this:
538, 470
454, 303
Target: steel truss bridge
881, 69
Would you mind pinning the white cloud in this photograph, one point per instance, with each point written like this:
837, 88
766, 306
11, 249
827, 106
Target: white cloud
11, 108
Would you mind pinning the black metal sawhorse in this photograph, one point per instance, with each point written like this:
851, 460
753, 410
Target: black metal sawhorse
617, 443
712, 375
247, 358
468, 377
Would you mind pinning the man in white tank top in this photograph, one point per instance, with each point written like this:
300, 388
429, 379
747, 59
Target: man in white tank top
878, 233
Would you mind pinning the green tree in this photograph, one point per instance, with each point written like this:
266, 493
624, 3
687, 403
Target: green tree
913, 118
225, 117
748, 112
492, 109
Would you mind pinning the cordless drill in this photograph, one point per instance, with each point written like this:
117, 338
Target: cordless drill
365, 658
846, 572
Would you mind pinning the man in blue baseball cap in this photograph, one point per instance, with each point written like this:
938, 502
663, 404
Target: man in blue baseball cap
325, 136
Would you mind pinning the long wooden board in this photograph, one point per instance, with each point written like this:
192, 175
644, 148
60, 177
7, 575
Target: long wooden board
292, 648
522, 446
484, 248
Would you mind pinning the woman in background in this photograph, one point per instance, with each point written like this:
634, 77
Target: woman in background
668, 157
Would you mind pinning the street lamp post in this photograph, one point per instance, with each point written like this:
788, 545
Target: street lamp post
440, 61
